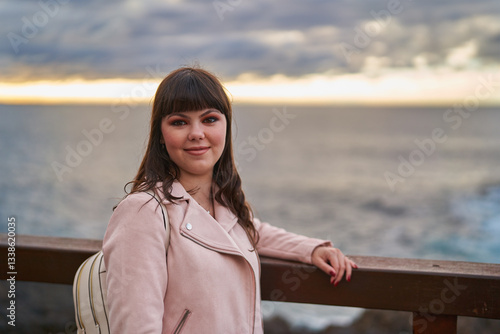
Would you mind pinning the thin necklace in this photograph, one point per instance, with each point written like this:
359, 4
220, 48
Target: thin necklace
211, 201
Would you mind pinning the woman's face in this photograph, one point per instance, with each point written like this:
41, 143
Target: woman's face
195, 140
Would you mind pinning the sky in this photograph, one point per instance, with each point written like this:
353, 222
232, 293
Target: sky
336, 51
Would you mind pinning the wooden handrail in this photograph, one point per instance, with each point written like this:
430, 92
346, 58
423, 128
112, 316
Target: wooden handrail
435, 291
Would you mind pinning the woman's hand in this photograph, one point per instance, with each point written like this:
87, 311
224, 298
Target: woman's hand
333, 262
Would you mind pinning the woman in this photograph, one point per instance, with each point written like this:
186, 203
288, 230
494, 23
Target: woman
202, 276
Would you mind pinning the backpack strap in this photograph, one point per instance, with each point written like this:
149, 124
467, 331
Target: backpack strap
165, 219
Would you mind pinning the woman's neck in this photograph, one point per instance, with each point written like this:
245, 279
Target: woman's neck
200, 189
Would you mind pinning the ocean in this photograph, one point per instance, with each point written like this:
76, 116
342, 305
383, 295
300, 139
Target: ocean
416, 182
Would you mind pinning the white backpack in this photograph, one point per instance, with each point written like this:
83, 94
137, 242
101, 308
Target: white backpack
89, 296
90, 291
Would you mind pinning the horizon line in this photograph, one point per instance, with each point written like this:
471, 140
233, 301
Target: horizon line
396, 88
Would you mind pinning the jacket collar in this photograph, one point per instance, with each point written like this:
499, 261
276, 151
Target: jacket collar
196, 224
223, 215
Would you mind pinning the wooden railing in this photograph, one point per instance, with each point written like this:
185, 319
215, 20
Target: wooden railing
435, 291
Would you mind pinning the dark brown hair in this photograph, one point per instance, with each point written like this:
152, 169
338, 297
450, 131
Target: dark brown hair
192, 89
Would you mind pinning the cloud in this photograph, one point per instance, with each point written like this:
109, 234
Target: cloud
56, 39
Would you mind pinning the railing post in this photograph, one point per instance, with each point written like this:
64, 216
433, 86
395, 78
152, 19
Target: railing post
424, 323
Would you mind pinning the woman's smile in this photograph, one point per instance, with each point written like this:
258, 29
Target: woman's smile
197, 150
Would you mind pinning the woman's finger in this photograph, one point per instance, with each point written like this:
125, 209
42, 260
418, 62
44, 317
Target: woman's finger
341, 268
334, 262
348, 270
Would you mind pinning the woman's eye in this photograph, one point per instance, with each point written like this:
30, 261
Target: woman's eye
178, 122
211, 119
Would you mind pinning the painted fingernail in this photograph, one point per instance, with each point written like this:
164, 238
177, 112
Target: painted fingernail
331, 280
348, 278
336, 283
332, 273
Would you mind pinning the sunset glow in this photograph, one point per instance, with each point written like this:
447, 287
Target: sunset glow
395, 87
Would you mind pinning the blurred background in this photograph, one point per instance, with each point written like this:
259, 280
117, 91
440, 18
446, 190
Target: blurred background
370, 123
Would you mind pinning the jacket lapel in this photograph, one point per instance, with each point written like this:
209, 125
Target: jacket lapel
200, 227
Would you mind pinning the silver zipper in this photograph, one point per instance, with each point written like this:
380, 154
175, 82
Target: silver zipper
102, 296
91, 297
182, 321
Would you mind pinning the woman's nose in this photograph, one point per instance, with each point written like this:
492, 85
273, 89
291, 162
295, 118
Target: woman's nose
196, 132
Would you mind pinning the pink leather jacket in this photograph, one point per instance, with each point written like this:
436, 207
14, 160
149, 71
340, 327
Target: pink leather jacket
207, 282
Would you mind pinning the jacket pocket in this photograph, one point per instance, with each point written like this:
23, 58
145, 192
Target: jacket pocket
182, 321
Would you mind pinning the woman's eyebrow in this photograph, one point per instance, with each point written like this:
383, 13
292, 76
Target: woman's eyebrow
209, 111
179, 114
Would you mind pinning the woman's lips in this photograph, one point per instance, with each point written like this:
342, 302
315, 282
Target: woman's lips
197, 150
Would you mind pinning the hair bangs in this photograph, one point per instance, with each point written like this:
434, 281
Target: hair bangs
193, 93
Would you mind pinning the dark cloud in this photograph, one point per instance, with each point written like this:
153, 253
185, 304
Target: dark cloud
94, 39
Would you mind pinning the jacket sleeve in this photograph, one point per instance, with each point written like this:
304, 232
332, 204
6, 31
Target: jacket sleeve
278, 243
135, 258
